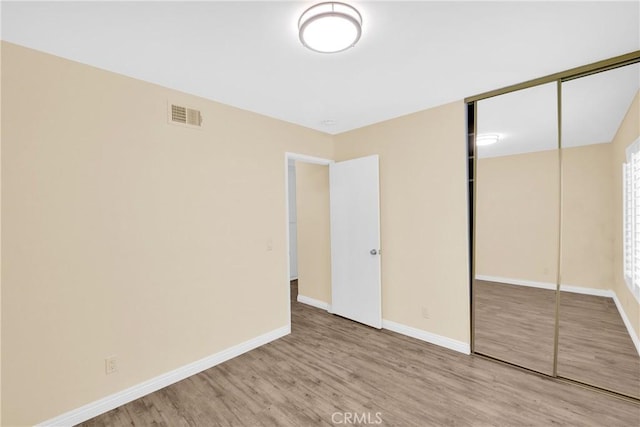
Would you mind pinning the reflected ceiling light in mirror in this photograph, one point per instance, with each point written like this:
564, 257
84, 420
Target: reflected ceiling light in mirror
487, 139
330, 27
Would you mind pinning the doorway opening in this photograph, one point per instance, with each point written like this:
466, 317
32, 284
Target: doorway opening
309, 199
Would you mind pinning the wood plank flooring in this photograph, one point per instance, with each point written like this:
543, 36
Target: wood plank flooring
516, 324
594, 346
330, 365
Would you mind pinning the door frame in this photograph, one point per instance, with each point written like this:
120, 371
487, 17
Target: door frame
306, 159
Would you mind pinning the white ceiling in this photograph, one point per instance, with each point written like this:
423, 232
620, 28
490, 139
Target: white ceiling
412, 55
526, 121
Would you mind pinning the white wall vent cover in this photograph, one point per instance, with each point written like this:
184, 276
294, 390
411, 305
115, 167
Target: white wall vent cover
181, 115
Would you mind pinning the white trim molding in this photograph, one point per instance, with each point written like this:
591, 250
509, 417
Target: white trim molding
451, 344
609, 293
399, 328
314, 302
518, 282
547, 285
307, 159
627, 323
120, 398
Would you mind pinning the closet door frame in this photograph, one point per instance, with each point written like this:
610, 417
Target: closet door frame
471, 102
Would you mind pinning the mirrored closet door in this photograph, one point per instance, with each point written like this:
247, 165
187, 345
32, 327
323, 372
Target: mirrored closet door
598, 313
516, 227
555, 231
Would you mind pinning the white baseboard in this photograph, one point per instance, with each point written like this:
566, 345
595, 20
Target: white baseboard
518, 282
314, 302
550, 286
429, 337
627, 323
108, 403
608, 293
401, 329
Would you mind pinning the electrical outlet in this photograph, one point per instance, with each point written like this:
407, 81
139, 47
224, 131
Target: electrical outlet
110, 365
269, 244
425, 312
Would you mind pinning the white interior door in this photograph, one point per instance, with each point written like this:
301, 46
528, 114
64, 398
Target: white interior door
355, 240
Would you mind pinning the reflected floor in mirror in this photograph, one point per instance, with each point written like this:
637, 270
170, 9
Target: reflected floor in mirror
516, 324
594, 346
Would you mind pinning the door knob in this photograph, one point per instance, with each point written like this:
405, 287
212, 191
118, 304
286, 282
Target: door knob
373, 252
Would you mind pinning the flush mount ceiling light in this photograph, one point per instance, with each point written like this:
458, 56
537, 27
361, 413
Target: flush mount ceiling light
330, 27
483, 140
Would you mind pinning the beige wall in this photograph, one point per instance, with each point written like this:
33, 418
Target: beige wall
125, 235
516, 234
423, 216
517, 217
111, 216
314, 234
587, 217
627, 133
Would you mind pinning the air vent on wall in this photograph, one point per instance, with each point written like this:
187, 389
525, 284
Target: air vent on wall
184, 116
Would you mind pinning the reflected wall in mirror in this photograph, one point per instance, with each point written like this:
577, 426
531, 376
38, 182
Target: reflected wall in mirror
599, 315
516, 227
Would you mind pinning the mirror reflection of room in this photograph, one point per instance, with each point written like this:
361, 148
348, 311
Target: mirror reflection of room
516, 227
599, 316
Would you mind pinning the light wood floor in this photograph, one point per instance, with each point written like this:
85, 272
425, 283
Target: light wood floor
516, 324
594, 345
329, 364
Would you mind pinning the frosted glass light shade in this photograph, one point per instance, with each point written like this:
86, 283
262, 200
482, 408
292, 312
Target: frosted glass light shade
330, 27
483, 140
